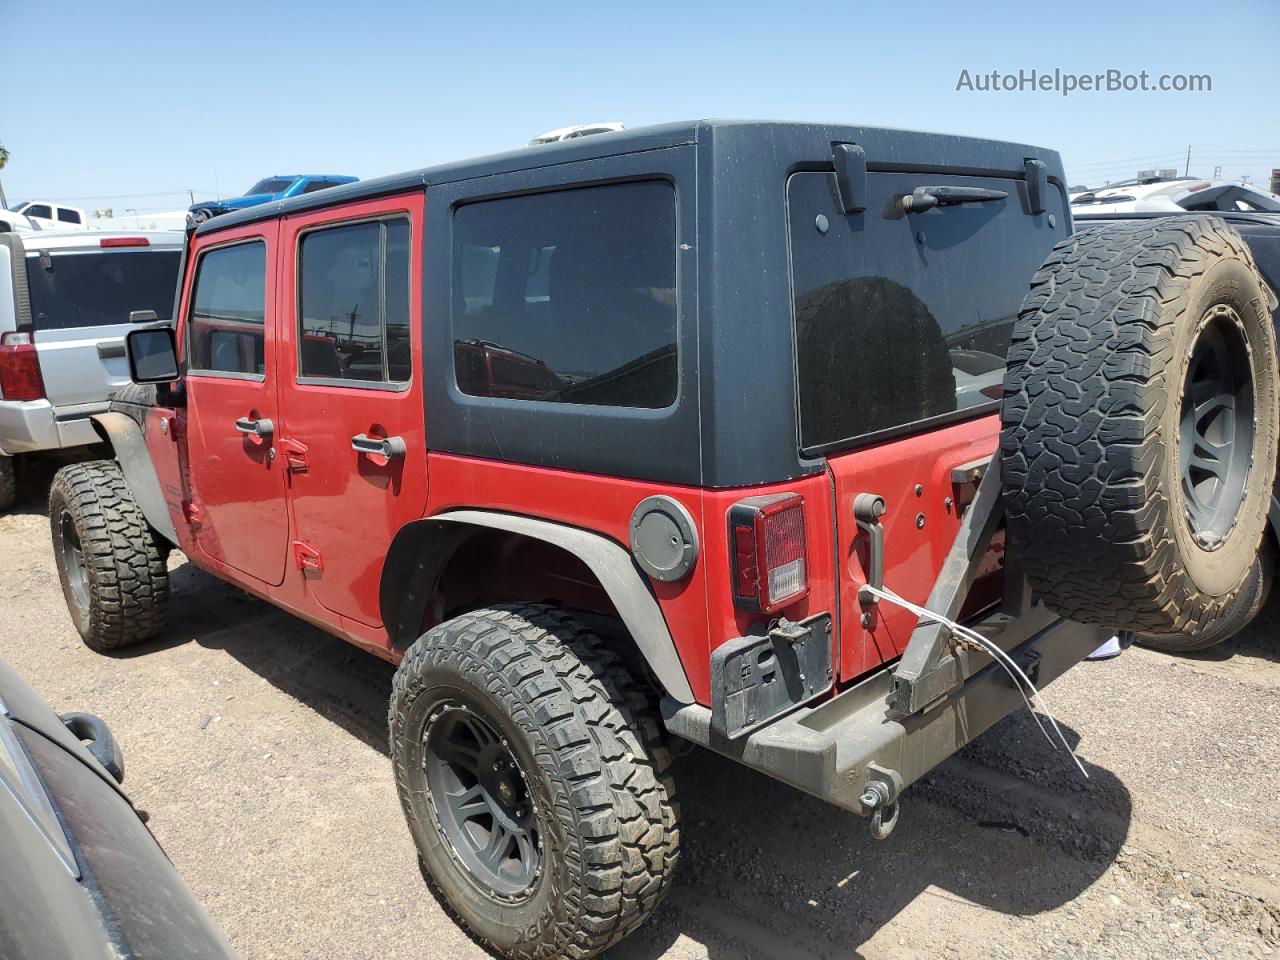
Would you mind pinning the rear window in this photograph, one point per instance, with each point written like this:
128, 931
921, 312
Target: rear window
270, 185
94, 289
902, 319
568, 296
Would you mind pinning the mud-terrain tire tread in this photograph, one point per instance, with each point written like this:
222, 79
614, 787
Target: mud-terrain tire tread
1082, 443
8, 483
128, 576
612, 788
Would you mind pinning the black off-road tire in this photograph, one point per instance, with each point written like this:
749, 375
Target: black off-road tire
8, 483
586, 742
110, 562
1094, 423
1239, 613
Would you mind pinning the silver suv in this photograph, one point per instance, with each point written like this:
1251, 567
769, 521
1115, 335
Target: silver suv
65, 300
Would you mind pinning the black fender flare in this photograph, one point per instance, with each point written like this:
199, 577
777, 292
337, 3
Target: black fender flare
130, 446
422, 548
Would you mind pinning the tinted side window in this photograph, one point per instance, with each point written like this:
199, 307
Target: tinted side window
315, 185
568, 296
353, 302
39, 210
68, 216
99, 289
229, 310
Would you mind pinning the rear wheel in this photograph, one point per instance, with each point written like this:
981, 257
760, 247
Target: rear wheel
1139, 437
533, 779
8, 483
112, 568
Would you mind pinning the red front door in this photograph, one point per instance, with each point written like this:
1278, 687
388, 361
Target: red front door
237, 507
351, 396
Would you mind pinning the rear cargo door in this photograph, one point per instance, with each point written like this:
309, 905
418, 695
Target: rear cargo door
80, 305
902, 323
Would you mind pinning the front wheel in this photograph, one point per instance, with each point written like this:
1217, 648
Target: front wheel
533, 779
111, 564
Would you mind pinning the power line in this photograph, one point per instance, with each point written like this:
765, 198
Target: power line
124, 196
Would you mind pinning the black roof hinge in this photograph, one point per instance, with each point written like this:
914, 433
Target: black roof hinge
1037, 175
851, 176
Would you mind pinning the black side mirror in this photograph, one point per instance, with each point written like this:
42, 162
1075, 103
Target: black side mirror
153, 355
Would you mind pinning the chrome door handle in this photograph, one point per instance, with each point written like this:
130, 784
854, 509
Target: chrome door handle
393, 448
256, 428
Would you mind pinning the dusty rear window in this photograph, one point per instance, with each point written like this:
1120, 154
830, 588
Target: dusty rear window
98, 289
904, 319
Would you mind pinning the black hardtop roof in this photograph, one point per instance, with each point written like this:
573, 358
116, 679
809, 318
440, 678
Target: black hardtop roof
886, 148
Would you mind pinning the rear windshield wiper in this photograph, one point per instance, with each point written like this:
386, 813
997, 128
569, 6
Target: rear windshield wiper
926, 198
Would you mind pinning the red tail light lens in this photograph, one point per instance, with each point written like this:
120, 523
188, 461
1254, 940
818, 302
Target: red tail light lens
124, 242
766, 539
20, 377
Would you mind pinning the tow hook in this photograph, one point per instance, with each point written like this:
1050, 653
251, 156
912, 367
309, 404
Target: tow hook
880, 800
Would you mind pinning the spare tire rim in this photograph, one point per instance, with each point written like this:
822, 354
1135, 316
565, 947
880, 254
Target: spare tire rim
483, 806
1216, 427
73, 561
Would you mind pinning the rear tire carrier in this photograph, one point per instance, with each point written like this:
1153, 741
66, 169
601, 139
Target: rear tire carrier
1140, 425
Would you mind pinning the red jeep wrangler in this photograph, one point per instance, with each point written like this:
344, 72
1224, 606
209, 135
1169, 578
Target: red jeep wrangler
649, 434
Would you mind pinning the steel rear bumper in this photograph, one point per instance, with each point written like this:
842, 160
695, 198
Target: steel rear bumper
835, 749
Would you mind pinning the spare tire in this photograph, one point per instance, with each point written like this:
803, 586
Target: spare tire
1138, 441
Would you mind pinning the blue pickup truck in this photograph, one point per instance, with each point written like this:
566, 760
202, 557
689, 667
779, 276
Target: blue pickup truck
266, 190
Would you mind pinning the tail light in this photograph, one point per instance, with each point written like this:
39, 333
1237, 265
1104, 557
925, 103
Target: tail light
20, 377
124, 242
767, 549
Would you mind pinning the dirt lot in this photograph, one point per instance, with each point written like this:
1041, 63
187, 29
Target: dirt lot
256, 744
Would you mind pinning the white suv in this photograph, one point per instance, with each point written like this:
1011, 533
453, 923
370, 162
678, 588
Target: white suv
65, 300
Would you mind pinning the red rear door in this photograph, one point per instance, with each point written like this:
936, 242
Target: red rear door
902, 324
352, 394
237, 480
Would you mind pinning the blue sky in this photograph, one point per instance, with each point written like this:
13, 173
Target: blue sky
129, 104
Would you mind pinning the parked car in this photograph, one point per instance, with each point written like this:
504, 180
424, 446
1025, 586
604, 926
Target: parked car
83, 877
11, 222
65, 300
690, 433
1261, 232
53, 216
266, 190
1176, 196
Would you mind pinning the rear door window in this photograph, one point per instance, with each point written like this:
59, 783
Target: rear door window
228, 313
902, 319
353, 302
568, 296
96, 289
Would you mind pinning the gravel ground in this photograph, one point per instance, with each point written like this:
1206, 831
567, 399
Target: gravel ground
256, 744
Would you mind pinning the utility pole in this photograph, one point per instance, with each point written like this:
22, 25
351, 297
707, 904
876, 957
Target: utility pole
191, 195
1187, 172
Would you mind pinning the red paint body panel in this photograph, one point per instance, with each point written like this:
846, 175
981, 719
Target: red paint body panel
699, 609
239, 487
345, 505
913, 554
